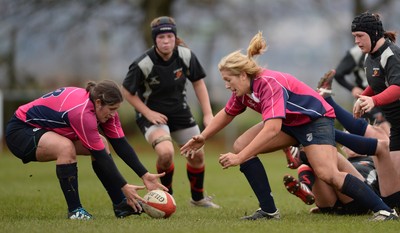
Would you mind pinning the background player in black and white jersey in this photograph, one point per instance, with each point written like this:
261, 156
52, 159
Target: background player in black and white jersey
353, 63
155, 86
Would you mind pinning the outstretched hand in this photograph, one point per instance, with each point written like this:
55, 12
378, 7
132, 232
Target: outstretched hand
132, 197
151, 181
193, 146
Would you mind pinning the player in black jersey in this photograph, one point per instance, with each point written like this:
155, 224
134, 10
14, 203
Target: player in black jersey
382, 67
155, 86
353, 62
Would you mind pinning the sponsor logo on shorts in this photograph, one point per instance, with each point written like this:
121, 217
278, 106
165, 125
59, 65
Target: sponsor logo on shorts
309, 137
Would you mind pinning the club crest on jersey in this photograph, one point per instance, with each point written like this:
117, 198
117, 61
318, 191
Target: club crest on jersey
251, 103
178, 73
376, 72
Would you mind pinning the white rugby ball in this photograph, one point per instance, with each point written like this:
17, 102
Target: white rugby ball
159, 204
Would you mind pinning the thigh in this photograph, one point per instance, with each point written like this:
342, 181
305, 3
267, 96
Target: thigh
323, 159
344, 165
183, 135
155, 131
81, 150
243, 140
53, 146
280, 141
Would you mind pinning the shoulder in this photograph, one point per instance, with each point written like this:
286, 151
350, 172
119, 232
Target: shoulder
392, 51
185, 54
145, 62
144, 56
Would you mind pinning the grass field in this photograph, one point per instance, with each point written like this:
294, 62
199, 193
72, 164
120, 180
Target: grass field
31, 201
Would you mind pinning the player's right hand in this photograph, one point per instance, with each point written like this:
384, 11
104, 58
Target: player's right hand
193, 146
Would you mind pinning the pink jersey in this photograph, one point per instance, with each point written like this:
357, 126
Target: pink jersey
69, 112
280, 95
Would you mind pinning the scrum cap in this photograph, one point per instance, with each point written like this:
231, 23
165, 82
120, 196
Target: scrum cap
370, 24
162, 24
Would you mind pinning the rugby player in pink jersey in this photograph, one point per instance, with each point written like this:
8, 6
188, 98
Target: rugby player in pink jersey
65, 123
292, 114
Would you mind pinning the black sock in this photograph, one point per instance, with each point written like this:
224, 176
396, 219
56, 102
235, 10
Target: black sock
196, 178
393, 200
115, 193
359, 191
68, 177
255, 174
167, 179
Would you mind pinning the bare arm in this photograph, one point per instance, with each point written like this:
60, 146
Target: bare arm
137, 103
270, 130
204, 100
219, 122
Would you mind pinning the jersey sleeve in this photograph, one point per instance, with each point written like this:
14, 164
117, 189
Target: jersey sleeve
273, 102
393, 70
84, 123
345, 67
196, 69
133, 78
234, 106
112, 128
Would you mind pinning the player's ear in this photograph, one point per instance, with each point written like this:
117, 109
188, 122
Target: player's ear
243, 75
97, 103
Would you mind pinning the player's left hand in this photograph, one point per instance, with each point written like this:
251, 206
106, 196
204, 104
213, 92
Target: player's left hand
151, 181
229, 160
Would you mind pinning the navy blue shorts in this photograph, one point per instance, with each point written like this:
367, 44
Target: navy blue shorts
22, 139
319, 132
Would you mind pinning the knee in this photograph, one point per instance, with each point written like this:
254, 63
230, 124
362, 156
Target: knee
382, 148
165, 155
66, 150
325, 175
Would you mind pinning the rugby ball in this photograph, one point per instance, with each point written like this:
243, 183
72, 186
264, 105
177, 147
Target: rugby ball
159, 204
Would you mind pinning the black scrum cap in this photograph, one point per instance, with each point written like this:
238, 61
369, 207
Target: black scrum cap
162, 24
370, 24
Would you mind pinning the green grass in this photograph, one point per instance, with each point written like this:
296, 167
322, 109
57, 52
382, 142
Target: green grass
31, 201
